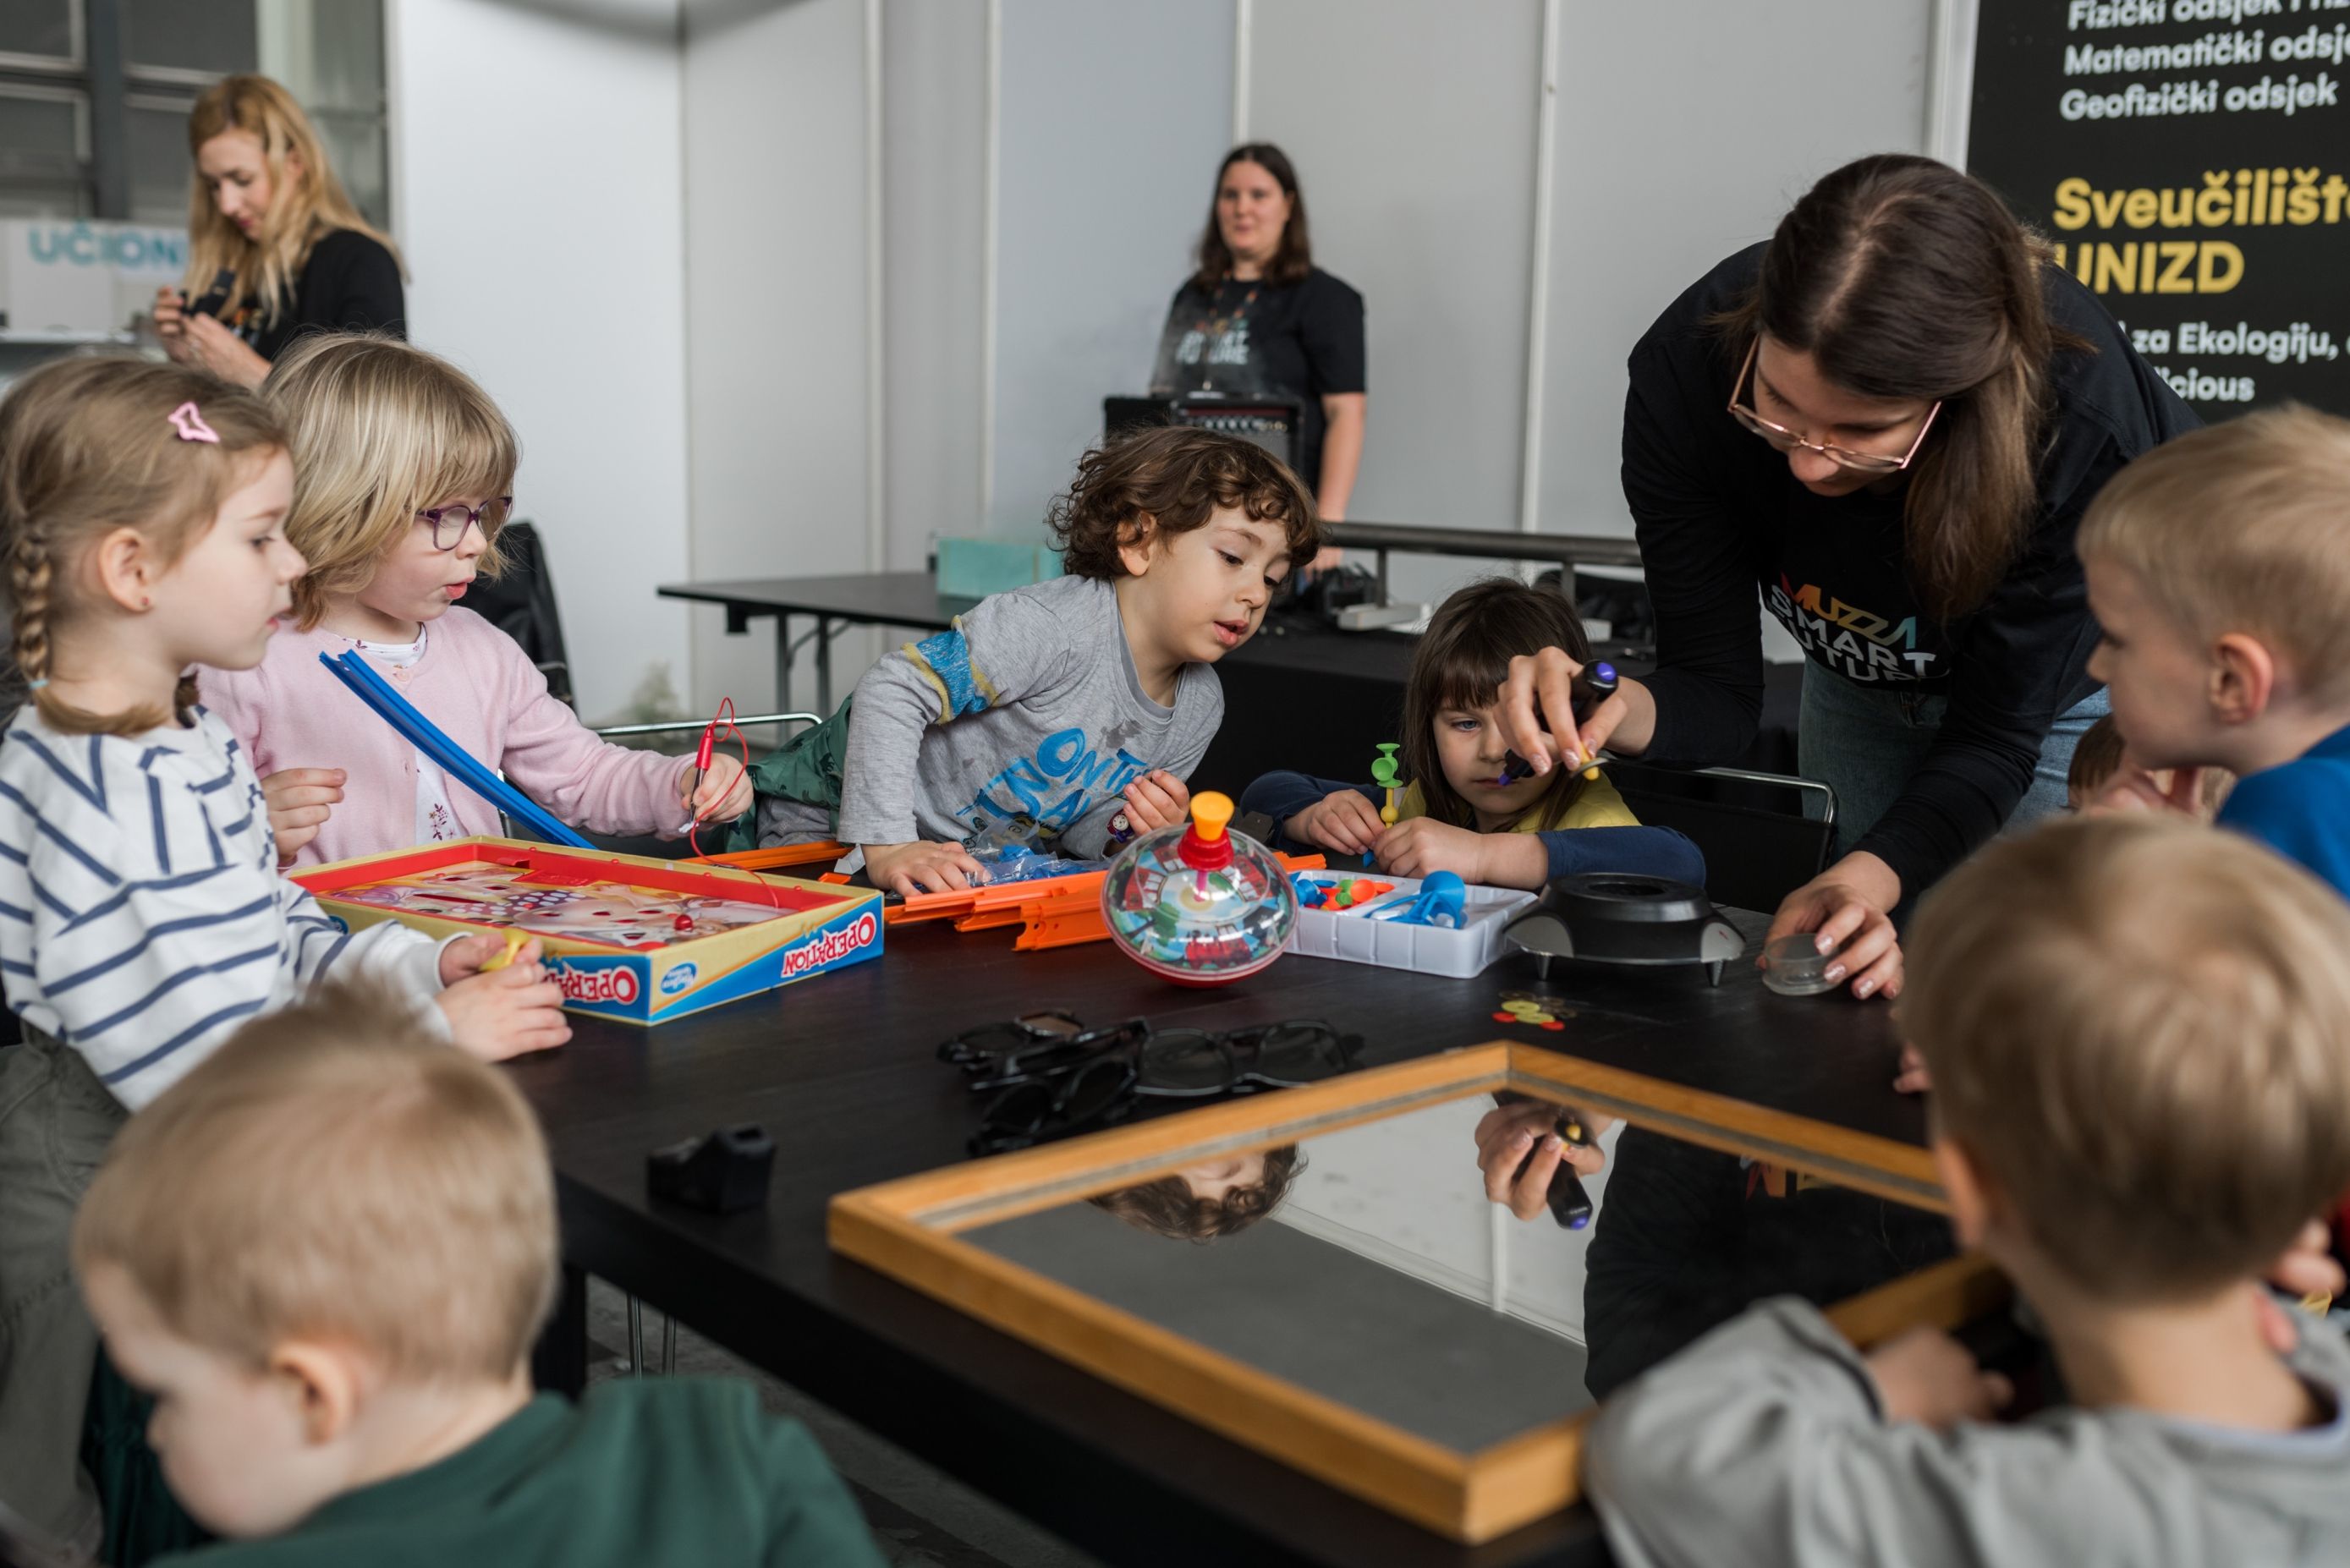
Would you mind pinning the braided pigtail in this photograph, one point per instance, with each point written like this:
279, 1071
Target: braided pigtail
28, 596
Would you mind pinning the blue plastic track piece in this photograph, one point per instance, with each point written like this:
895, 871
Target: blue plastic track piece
426, 736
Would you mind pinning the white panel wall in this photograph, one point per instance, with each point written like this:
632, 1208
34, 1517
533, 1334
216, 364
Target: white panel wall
1113, 119
935, 146
1683, 134
775, 281
1412, 127
535, 158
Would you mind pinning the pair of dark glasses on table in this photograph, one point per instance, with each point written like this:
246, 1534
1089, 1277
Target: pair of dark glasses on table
1046, 1075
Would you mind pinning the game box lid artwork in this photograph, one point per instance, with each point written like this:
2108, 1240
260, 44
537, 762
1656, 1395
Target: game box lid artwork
626, 936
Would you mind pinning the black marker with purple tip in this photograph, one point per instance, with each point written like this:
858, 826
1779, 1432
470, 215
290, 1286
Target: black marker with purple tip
1593, 686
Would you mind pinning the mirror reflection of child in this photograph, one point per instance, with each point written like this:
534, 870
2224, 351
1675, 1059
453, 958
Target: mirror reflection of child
1211, 1199
1457, 816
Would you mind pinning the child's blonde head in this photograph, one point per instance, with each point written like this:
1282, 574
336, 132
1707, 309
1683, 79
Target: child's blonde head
382, 431
2244, 528
2137, 1029
335, 1173
88, 445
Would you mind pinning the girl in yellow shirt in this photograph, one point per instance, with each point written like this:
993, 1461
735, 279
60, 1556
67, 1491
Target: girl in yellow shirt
1457, 815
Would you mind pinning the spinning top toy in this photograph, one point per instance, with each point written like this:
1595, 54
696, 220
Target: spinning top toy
1199, 903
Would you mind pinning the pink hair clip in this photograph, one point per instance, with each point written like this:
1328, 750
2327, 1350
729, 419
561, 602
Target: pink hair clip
190, 425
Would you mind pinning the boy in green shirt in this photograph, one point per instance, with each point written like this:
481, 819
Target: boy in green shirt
327, 1252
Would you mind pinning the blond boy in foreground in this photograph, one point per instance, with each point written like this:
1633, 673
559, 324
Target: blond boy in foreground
327, 1252
2136, 1031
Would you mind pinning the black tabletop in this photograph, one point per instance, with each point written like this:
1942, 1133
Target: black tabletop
840, 1070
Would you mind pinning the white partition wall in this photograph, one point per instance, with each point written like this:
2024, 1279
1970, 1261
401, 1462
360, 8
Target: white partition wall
1683, 134
1110, 122
537, 205
1412, 127
776, 274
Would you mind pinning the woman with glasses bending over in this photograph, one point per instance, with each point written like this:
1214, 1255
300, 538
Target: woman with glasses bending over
1889, 418
267, 211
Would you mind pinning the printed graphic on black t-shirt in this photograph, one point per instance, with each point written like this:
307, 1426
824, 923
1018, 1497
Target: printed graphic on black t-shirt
1298, 342
1843, 593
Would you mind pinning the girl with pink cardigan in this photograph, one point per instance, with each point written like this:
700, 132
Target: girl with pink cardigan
402, 468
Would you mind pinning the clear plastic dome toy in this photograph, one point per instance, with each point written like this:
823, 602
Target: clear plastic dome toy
1199, 903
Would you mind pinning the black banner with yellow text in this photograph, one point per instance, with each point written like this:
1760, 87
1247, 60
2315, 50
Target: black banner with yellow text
2191, 159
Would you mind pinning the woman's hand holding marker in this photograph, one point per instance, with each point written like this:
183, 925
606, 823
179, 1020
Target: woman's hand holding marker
1537, 702
1156, 800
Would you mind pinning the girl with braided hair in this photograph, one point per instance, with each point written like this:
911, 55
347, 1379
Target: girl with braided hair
141, 918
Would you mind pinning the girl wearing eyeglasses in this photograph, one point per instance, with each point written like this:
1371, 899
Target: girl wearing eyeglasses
1889, 418
402, 475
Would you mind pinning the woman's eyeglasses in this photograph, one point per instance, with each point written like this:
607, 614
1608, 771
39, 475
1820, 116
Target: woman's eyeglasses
1047, 1077
449, 521
1786, 440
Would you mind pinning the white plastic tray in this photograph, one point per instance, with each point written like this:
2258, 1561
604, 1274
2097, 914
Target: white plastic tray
1352, 935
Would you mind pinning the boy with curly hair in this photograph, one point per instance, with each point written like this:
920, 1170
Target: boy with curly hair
1049, 711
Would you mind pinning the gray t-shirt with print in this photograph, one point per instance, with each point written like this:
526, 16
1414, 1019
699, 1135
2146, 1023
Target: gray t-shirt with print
1030, 706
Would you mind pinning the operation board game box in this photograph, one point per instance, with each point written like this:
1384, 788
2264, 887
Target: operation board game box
626, 936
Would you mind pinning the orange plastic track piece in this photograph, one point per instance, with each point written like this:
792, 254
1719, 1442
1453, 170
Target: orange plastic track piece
773, 859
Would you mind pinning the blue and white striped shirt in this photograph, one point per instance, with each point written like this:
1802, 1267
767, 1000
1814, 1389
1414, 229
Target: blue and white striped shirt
141, 915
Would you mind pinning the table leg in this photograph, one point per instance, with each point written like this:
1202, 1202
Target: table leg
558, 1362
783, 661
824, 665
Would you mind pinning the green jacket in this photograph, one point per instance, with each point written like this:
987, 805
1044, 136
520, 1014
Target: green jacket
659, 1471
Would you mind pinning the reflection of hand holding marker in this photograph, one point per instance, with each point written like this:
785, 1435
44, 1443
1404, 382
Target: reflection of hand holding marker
1570, 1205
1590, 689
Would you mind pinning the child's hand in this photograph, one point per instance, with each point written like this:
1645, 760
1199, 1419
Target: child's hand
920, 867
1156, 800
1912, 1078
2137, 789
725, 792
1423, 845
1508, 1134
506, 1012
1344, 820
1925, 1375
299, 801
2307, 1269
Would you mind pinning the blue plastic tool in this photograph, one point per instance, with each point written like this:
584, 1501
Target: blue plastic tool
453, 759
1443, 900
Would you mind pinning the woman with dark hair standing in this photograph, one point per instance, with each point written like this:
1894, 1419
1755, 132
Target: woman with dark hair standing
1890, 417
1258, 318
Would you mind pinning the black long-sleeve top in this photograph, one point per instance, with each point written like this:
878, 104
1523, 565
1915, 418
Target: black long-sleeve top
349, 282
1718, 512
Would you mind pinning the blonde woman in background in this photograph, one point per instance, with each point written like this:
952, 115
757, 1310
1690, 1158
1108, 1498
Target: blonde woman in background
266, 206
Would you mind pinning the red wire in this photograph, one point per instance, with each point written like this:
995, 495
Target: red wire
722, 719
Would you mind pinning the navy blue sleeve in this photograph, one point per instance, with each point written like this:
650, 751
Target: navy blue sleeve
1647, 851
1282, 795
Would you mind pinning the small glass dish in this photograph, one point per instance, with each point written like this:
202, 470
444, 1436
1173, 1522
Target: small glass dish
1794, 966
